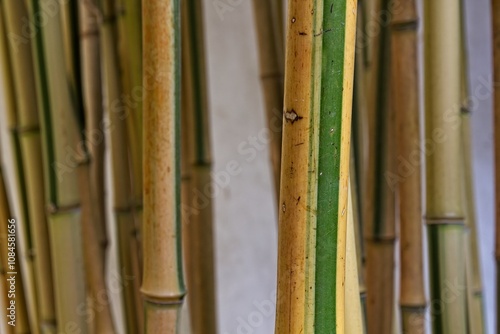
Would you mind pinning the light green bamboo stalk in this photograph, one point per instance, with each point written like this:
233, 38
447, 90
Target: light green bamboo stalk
60, 134
25, 127
163, 286
444, 207
122, 201
315, 166
405, 95
271, 58
197, 220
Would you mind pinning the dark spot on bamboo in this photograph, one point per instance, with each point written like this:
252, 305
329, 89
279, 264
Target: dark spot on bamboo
322, 32
298, 200
301, 33
331, 8
294, 19
292, 116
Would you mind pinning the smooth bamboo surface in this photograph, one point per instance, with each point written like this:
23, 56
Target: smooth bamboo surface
268, 22
163, 283
405, 95
122, 200
196, 152
315, 166
60, 133
444, 208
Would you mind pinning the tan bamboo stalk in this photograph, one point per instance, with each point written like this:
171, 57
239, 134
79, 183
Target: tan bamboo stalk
21, 312
444, 208
130, 59
60, 133
379, 199
495, 16
315, 166
271, 58
405, 101
197, 220
163, 286
122, 201
29, 150
91, 168
355, 320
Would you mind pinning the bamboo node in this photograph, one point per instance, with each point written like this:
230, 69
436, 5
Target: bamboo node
459, 221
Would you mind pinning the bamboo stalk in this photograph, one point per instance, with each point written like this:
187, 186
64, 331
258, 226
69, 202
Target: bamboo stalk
379, 199
122, 201
163, 286
197, 220
444, 208
355, 321
315, 166
25, 128
60, 134
270, 40
91, 169
405, 101
495, 16
471, 254
21, 321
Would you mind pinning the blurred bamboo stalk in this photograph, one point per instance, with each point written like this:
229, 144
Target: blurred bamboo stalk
60, 133
26, 129
472, 256
405, 96
122, 201
315, 166
163, 285
444, 207
91, 168
268, 15
196, 152
495, 16
379, 201
21, 320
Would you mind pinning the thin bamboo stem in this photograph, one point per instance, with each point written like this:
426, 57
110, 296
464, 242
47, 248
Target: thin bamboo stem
197, 220
270, 39
495, 16
405, 101
163, 285
444, 207
29, 155
91, 169
315, 166
60, 133
122, 201
379, 199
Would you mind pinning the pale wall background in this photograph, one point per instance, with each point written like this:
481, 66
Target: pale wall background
245, 212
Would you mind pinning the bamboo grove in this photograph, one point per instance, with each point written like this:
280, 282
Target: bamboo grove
106, 107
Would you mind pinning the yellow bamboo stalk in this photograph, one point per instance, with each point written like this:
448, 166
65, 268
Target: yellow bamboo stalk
495, 16
271, 58
163, 286
122, 201
27, 130
444, 208
405, 101
197, 220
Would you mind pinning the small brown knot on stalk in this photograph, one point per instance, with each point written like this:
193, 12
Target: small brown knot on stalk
292, 116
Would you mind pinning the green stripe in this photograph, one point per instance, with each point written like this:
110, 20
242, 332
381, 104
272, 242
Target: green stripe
177, 88
435, 275
332, 76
